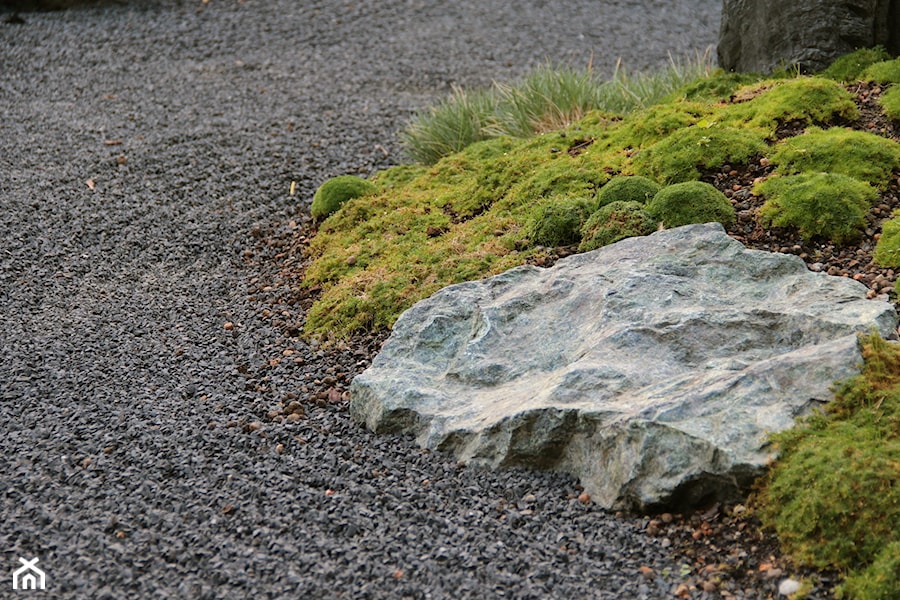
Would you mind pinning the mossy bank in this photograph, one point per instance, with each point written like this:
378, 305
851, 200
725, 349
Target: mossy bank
505, 201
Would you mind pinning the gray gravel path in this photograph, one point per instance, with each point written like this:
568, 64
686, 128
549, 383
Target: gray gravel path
140, 144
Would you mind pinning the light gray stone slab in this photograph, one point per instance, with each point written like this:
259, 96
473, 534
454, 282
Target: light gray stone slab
652, 369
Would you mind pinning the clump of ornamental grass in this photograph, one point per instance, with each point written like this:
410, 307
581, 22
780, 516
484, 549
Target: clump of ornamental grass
547, 99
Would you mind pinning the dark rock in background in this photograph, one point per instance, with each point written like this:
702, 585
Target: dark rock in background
762, 35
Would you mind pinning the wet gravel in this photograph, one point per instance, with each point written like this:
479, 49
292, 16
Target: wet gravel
163, 433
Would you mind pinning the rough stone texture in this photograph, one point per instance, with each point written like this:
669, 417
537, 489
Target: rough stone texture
761, 35
652, 369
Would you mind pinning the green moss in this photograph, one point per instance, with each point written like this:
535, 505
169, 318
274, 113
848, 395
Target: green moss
473, 213
613, 222
850, 67
718, 87
332, 194
880, 581
690, 202
819, 205
887, 250
655, 123
847, 464
806, 100
860, 155
680, 156
884, 72
558, 222
398, 176
627, 189
890, 102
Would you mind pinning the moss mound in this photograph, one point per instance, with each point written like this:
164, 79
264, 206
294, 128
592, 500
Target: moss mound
613, 222
505, 201
806, 101
680, 156
627, 189
850, 67
887, 250
847, 462
884, 72
880, 581
690, 202
819, 205
558, 223
332, 194
890, 102
860, 155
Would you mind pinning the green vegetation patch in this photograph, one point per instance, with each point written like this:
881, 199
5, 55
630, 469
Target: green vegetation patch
887, 250
558, 222
884, 72
890, 102
680, 156
613, 222
720, 86
819, 205
332, 194
546, 99
806, 100
627, 189
860, 155
833, 495
690, 202
850, 67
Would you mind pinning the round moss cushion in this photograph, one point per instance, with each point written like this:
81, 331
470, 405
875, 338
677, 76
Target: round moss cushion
332, 194
691, 202
627, 189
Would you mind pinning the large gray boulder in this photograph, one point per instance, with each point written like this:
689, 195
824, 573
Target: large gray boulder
761, 35
652, 369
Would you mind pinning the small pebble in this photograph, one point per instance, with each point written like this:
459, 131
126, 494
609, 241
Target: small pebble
788, 587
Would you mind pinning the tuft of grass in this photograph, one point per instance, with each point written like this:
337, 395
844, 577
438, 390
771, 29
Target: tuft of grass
819, 205
450, 126
547, 99
832, 496
864, 156
850, 67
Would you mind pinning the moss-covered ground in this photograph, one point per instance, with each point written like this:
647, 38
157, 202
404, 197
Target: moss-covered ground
832, 495
505, 201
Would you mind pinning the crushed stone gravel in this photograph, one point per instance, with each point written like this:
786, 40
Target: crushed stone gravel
162, 439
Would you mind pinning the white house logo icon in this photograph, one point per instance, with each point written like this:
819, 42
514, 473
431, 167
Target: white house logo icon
28, 576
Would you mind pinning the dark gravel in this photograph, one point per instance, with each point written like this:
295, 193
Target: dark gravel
150, 445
